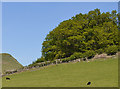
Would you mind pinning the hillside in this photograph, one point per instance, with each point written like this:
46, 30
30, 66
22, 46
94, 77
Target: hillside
9, 62
101, 73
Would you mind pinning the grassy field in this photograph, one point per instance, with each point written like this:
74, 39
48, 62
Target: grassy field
9, 62
101, 73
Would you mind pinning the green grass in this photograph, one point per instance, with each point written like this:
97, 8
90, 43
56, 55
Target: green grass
9, 63
102, 73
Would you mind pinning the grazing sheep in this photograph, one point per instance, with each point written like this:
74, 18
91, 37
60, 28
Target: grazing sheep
7, 78
88, 83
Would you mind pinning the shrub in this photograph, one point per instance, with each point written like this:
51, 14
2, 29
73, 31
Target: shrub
63, 60
100, 51
67, 59
89, 54
8, 72
118, 47
40, 60
111, 50
72, 57
77, 55
58, 62
54, 62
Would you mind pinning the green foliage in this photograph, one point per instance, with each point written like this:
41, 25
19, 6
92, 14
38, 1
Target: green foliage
100, 51
64, 60
89, 54
78, 55
40, 60
54, 61
111, 50
119, 48
83, 35
72, 57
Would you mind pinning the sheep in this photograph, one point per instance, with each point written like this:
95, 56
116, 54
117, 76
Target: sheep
7, 78
88, 83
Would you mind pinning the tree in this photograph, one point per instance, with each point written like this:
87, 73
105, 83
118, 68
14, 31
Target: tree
83, 34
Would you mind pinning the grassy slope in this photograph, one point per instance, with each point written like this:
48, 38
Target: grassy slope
100, 73
9, 62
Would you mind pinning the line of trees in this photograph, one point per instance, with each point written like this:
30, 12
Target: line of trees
84, 35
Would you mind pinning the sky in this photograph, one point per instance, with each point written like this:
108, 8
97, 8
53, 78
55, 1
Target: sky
60, 0
26, 24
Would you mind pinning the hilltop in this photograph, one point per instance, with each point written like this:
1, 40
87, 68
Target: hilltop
9, 63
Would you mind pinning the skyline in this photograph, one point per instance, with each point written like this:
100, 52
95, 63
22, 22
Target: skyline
25, 25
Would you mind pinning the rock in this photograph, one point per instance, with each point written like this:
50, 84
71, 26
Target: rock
108, 56
100, 56
77, 60
11, 71
58, 61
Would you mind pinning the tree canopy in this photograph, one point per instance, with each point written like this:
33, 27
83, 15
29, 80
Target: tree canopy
87, 34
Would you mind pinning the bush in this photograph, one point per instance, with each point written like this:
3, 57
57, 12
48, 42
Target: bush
40, 60
33, 64
100, 51
72, 57
58, 62
64, 60
89, 54
111, 50
67, 59
77, 55
54, 62
118, 48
